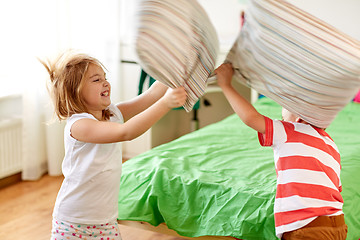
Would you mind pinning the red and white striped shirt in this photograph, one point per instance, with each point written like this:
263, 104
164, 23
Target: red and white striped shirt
307, 164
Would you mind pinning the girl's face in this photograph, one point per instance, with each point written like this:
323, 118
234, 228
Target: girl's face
96, 90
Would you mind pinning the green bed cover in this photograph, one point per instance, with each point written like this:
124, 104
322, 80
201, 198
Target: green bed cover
220, 181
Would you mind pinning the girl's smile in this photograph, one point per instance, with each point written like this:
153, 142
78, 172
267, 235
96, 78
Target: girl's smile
105, 93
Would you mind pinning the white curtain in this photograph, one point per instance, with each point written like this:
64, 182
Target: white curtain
43, 28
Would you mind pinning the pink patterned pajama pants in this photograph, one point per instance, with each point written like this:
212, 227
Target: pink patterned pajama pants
71, 231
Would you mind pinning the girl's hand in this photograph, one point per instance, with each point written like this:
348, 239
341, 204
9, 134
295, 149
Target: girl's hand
224, 74
175, 97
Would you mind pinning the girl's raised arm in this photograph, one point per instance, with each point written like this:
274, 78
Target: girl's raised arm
93, 131
138, 104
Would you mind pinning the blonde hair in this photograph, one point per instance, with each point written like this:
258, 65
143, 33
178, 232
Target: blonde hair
67, 73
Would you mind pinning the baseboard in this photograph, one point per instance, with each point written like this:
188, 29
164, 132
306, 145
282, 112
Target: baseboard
10, 180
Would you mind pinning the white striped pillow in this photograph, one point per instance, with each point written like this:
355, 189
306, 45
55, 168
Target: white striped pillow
177, 45
304, 64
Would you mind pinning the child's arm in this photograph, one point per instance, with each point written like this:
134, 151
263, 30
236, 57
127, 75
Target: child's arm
247, 113
89, 130
138, 104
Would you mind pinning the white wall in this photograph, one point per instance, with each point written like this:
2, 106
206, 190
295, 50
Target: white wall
344, 14
10, 106
225, 16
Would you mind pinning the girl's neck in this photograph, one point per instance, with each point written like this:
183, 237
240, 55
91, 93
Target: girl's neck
98, 115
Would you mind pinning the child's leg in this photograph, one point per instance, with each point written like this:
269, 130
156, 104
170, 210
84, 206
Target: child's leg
323, 227
63, 231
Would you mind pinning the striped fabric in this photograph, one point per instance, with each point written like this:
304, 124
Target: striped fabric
307, 163
304, 64
177, 45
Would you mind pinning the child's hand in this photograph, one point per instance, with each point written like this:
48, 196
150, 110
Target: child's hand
175, 97
224, 74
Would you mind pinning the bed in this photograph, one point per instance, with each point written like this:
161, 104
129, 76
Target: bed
219, 183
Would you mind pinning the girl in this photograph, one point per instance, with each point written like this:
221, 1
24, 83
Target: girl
86, 205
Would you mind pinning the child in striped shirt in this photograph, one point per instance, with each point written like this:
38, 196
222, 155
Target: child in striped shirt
308, 203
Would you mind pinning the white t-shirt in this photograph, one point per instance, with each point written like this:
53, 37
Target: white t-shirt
89, 192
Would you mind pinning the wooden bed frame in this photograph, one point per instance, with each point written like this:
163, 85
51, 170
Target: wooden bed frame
163, 229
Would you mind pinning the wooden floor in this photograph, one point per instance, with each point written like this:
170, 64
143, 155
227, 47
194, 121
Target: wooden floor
26, 207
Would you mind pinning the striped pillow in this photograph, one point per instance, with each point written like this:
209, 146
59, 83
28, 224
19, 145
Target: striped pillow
304, 64
177, 45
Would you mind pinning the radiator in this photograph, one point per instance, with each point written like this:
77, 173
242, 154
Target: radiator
10, 147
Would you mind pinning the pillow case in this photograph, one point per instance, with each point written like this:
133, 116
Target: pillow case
177, 45
301, 62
